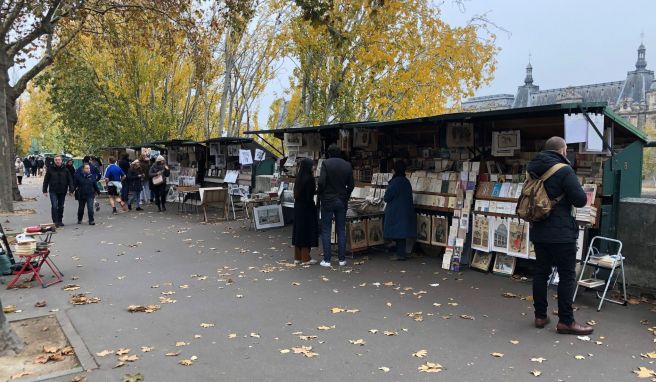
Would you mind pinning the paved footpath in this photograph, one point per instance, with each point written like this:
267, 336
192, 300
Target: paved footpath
258, 308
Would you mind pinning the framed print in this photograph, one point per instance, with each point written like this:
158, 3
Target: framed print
459, 134
220, 161
361, 137
357, 235
375, 232
481, 233
518, 238
423, 229
439, 231
482, 261
508, 140
268, 216
245, 157
500, 235
233, 150
504, 265
293, 139
344, 140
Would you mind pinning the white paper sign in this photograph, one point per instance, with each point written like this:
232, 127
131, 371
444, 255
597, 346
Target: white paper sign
259, 155
245, 157
593, 141
576, 128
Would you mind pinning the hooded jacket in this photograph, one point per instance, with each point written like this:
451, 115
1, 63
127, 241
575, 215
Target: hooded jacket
560, 226
86, 184
58, 180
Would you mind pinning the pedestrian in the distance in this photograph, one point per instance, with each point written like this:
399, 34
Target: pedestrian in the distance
554, 238
124, 164
113, 178
158, 174
86, 191
39, 166
71, 168
133, 183
145, 182
33, 165
306, 217
57, 182
26, 166
20, 169
335, 186
400, 217
150, 181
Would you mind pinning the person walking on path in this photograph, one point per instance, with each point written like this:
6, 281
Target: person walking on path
86, 190
554, 238
33, 165
158, 174
96, 174
57, 182
145, 182
133, 184
124, 164
335, 186
113, 177
400, 217
306, 217
26, 166
20, 169
39, 166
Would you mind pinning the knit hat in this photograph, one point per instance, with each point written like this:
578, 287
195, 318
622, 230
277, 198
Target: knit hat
159, 159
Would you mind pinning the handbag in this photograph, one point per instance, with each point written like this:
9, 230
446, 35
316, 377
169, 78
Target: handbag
158, 179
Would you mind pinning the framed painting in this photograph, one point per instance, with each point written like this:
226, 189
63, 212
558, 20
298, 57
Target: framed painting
482, 261
481, 233
459, 134
357, 234
293, 139
518, 236
375, 232
423, 229
268, 216
504, 264
500, 235
439, 230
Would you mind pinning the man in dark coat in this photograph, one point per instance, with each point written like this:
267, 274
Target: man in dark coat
28, 166
124, 164
335, 186
87, 189
555, 237
57, 182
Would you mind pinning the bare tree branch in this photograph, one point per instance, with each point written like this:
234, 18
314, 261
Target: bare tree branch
11, 17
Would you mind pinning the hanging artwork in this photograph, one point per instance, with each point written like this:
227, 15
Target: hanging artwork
233, 150
500, 235
293, 139
423, 229
482, 261
259, 155
344, 140
504, 265
245, 157
361, 137
459, 134
481, 233
518, 238
439, 231
375, 232
357, 235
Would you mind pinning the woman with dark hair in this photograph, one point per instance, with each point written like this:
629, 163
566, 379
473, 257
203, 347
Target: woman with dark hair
306, 220
400, 217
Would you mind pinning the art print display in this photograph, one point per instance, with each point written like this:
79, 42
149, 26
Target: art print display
375, 232
220, 161
500, 235
439, 231
481, 233
268, 216
482, 261
508, 140
518, 238
259, 155
245, 157
233, 150
504, 264
293, 139
423, 229
361, 137
459, 134
357, 234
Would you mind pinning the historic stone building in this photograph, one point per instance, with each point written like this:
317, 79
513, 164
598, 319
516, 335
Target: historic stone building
634, 97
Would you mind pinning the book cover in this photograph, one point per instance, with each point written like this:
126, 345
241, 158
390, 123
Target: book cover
496, 190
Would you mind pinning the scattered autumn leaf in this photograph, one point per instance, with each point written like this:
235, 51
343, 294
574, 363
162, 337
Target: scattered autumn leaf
466, 317
538, 359
205, 325
255, 335
172, 354
181, 343
305, 350
324, 327
359, 341
122, 351
105, 353
82, 299
9, 309
143, 309
71, 287
536, 373
128, 358
420, 353
385, 369
579, 357
643, 372
186, 362
496, 355
389, 333
133, 377
146, 349
232, 335
40, 304
514, 342
21, 375
284, 351
430, 367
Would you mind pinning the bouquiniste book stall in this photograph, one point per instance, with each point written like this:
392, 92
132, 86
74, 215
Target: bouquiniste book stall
467, 172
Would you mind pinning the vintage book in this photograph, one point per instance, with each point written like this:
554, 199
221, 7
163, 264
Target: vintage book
453, 185
496, 190
452, 202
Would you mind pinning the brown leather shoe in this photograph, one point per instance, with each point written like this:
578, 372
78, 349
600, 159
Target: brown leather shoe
574, 328
542, 322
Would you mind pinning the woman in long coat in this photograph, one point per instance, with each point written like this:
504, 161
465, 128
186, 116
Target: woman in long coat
306, 218
400, 216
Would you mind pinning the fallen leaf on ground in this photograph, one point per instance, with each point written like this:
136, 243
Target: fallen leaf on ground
50, 349
40, 304
579, 357
643, 372
105, 353
181, 343
592, 322
388, 333
128, 358
385, 369
172, 354
538, 359
21, 375
82, 299
420, 353
389, 304
284, 351
509, 295
305, 350
71, 287
205, 325
337, 310
122, 351
584, 338
132, 377
186, 362
466, 317
307, 338
496, 355
232, 335
79, 378
255, 335
536, 373
651, 355
430, 367
323, 327
359, 341
374, 331
143, 309
514, 342
9, 309
146, 349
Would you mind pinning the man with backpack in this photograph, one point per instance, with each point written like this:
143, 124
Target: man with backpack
553, 231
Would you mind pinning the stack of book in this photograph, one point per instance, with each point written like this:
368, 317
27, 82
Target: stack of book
499, 190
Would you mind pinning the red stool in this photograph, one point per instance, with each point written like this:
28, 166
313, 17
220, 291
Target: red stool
39, 257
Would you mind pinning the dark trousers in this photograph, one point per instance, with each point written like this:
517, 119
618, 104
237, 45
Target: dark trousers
81, 203
124, 191
563, 257
57, 206
159, 193
400, 247
20, 179
329, 210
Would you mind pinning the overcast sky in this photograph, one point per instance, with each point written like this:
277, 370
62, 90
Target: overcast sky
571, 42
